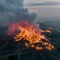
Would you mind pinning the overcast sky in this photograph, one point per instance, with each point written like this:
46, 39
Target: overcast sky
44, 8
37, 1
41, 3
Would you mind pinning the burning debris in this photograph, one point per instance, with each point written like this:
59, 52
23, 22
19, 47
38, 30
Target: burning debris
27, 31
23, 30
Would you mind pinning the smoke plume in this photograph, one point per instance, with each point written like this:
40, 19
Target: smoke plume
12, 11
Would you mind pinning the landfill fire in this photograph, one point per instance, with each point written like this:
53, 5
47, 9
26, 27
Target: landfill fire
25, 30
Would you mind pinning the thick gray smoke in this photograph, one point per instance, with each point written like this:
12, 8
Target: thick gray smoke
12, 10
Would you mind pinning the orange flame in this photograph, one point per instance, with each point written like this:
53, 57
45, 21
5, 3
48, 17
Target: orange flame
28, 31
47, 31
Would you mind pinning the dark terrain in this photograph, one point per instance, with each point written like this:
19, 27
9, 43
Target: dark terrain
9, 49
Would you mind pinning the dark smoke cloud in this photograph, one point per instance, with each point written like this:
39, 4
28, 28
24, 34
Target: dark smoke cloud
12, 10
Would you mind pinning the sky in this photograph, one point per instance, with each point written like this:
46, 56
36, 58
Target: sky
39, 1
44, 8
42, 3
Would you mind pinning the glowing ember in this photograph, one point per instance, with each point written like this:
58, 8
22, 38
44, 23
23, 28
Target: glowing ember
27, 31
47, 31
38, 48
